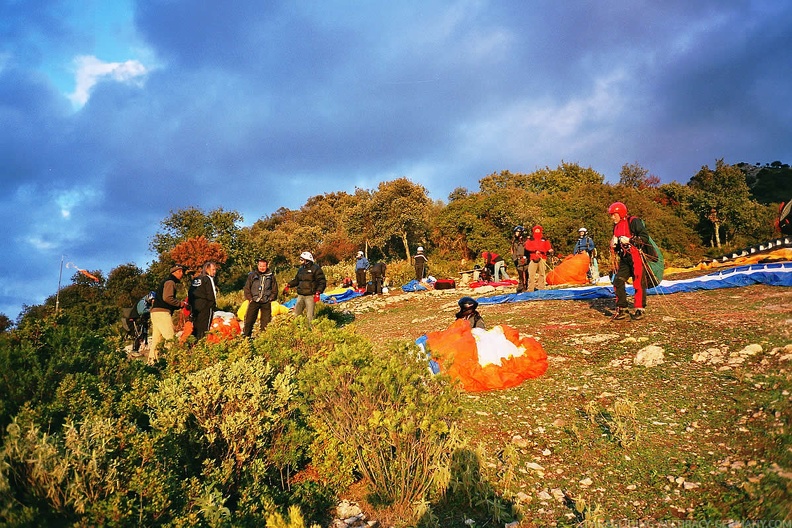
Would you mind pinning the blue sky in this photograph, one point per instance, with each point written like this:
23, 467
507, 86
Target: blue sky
114, 114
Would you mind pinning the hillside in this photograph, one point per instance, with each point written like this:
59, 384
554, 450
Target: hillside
704, 435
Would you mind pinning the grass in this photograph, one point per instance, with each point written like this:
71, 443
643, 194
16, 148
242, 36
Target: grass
598, 438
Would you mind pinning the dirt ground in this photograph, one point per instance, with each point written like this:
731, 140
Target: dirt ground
704, 435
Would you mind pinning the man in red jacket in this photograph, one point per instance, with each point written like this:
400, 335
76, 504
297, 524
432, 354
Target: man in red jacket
537, 248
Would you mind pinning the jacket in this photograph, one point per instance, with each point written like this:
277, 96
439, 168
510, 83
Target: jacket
261, 287
165, 299
310, 279
537, 247
201, 295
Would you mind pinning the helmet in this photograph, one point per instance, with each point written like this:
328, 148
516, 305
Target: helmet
582, 230
306, 255
518, 229
420, 249
466, 303
618, 208
359, 253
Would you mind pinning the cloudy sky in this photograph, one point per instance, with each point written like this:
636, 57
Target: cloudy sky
113, 114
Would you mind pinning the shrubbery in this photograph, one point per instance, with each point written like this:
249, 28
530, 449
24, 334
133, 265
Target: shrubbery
219, 435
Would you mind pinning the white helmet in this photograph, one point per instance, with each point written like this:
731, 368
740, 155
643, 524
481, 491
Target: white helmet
359, 253
306, 255
420, 249
582, 230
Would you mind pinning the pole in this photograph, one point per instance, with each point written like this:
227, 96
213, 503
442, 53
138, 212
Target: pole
57, 295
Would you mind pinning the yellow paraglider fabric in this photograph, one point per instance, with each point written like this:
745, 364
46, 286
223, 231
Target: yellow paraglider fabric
456, 351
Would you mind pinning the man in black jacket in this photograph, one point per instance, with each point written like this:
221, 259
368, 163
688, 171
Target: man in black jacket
165, 303
310, 283
202, 298
377, 271
260, 290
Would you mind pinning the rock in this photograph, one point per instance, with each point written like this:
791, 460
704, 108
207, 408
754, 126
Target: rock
558, 494
519, 441
534, 465
586, 482
543, 495
346, 510
649, 356
751, 350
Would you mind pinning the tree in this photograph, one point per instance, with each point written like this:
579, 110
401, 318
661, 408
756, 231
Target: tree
5, 323
126, 284
633, 175
194, 252
722, 200
399, 208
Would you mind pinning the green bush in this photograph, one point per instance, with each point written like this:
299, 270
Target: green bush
392, 413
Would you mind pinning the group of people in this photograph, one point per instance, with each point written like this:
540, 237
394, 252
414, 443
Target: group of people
260, 290
377, 271
630, 244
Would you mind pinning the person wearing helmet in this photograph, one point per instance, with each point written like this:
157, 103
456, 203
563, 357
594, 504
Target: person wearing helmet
467, 311
420, 264
519, 258
537, 248
310, 283
361, 265
630, 243
584, 243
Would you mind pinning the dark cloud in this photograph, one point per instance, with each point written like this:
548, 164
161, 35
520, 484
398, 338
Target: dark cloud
258, 105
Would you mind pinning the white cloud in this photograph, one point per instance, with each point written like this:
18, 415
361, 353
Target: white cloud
91, 71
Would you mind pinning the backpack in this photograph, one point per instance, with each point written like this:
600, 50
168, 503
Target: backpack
655, 263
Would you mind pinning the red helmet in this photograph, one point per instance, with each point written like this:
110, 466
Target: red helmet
618, 208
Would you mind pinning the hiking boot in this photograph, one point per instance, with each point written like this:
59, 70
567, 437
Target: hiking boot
621, 314
639, 313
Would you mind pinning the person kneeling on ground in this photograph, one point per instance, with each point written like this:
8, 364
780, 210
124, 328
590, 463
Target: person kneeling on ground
467, 311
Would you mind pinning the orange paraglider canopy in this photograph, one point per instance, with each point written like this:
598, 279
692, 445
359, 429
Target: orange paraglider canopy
457, 351
572, 270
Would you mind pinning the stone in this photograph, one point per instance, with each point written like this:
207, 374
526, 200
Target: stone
650, 356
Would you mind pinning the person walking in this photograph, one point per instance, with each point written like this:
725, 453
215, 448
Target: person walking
202, 298
420, 261
261, 288
361, 266
631, 244
310, 283
519, 258
537, 248
162, 308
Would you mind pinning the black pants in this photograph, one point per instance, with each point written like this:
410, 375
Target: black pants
202, 320
376, 281
360, 278
253, 309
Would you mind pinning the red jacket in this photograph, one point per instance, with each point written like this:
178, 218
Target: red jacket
537, 247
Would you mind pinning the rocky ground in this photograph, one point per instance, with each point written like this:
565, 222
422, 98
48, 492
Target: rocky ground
685, 414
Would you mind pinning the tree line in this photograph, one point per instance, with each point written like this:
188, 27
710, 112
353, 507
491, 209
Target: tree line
718, 210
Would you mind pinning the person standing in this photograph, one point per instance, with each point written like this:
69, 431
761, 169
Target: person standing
519, 258
202, 298
631, 244
584, 243
163, 306
496, 265
420, 261
361, 266
261, 288
377, 270
310, 283
537, 248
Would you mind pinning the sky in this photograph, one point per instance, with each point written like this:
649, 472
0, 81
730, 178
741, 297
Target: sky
114, 114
